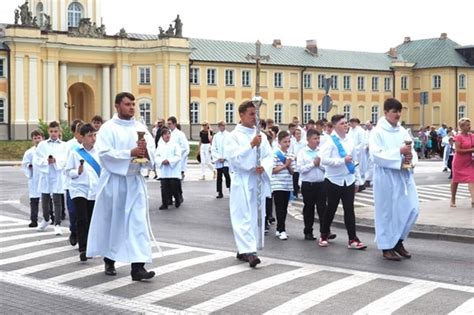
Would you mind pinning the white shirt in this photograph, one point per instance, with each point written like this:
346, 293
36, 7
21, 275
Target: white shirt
52, 176
305, 165
218, 149
179, 137
336, 169
31, 173
172, 152
297, 146
71, 145
85, 184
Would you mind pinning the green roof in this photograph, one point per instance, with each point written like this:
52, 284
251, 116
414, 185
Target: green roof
432, 53
235, 52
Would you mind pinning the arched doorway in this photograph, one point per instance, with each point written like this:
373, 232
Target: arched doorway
81, 97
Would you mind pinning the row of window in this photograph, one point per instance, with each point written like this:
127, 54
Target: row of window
435, 82
75, 12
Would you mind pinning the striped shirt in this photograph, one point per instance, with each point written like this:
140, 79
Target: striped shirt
282, 180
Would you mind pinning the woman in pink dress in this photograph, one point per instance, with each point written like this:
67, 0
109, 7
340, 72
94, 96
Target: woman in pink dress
463, 162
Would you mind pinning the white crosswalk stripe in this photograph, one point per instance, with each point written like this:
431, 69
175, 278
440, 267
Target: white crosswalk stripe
221, 292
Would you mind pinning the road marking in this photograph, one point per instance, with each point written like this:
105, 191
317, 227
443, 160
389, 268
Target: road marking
6, 225
25, 236
393, 301
316, 296
22, 229
37, 254
10, 219
4, 202
32, 244
465, 308
44, 266
246, 291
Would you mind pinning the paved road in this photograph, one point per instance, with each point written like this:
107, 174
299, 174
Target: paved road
199, 273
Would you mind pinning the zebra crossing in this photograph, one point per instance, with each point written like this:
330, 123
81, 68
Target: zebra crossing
201, 280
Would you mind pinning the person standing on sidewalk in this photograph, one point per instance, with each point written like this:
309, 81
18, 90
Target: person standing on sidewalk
33, 177
395, 195
242, 146
119, 227
342, 180
297, 144
205, 140
219, 155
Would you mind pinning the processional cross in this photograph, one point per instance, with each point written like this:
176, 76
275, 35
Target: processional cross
257, 101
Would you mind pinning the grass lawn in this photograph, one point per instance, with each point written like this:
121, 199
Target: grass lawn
14, 150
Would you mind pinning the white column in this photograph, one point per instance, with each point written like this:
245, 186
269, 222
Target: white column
160, 92
106, 92
126, 78
63, 91
113, 87
51, 90
33, 92
183, 95
172, 91
19, 90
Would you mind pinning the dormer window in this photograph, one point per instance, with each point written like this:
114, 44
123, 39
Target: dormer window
74, 14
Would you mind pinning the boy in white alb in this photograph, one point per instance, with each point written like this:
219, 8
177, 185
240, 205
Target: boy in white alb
83, 168
168, 159
33, 176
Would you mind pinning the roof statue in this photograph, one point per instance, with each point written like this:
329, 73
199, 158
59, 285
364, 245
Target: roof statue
122, 33
24, 15
87, 29
176, 31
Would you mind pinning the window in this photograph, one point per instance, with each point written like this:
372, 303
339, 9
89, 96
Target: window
307, 80
2, 68
361, 83
145, 73
229, 113
374, 116
404, 83
347, 82
74, 14
321, 78
245, 77
436, 82
347, 111
145, 112
229, 77
3, 111
387, 84
334, 82
306, 113
194, 113
321, 113
461, 111
462, 81
375, 83
278, 80
194, 76
211, 76
278, 113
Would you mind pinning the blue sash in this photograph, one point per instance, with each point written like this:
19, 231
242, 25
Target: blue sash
89, 159
280, 156
312, 154
343, 154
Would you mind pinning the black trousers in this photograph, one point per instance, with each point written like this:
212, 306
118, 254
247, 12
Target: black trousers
57, 205
170, 187
281, 198
222, 171
268, 209
296, 187
314, 194
335, 194
84, 210
34, 209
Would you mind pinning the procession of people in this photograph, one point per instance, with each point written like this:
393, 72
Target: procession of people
101, 174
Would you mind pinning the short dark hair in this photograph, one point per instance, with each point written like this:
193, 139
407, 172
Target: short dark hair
37, 132
319, 122
275, 129
310, 122
311, 133
335, 118
269, 121
173, 120
263, 124
97, 118
291, 125
86, 128
119, 97
356, 120
392, 103
76, 125
282, 135
245, 105
165, 130
54, 124
329, 125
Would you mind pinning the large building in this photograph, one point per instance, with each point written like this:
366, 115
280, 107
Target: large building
58, 63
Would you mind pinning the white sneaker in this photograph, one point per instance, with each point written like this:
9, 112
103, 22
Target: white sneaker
42, 226
283, 236
277, 234
57, 230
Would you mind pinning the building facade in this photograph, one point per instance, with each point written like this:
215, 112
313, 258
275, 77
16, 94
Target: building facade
58, 63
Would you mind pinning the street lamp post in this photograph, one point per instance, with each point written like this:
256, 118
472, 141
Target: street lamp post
68, 108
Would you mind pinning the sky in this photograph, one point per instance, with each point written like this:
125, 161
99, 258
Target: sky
359, 25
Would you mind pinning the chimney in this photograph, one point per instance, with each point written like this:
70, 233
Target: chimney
393, 53
277, 43
443, 36
407, 39
312, 47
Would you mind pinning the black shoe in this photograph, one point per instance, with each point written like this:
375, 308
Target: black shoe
309, 237
242, 257
163, 207
33, 224
177, 203
332, 236
253, 260
170, 202
83, 257
141, 274
361, 188
181, 199
219, 196
110, 270
155, 177
271, 220
73, 239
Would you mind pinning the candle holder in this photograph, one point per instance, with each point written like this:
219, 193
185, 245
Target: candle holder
407, 165
140, 159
